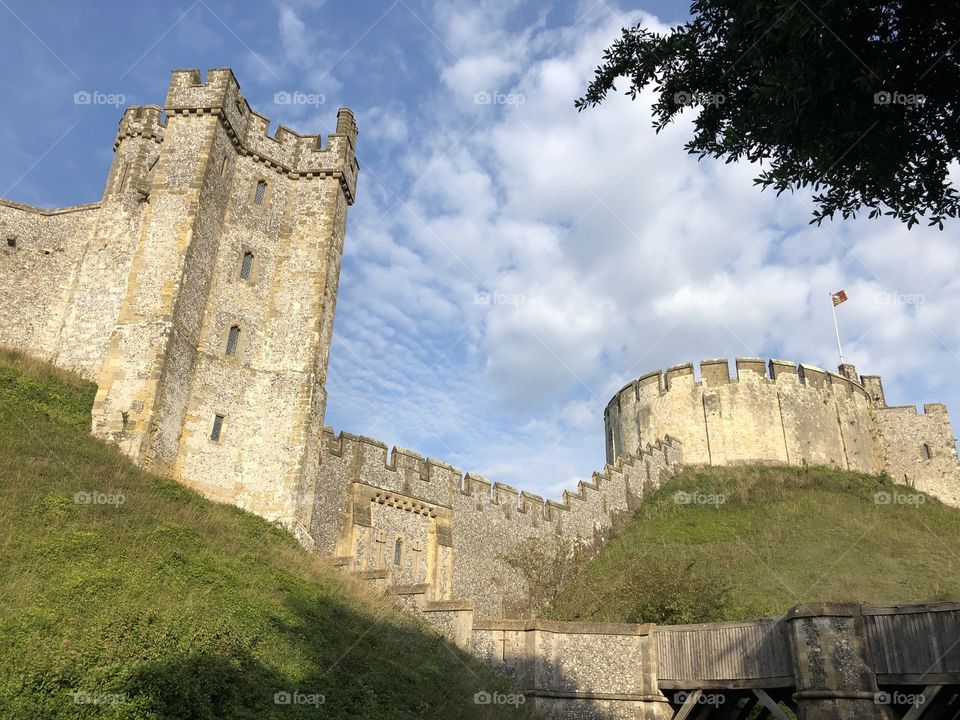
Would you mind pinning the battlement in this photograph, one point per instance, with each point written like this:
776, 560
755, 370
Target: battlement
928, 409
286, 151
435, 481
716, 372
146, 121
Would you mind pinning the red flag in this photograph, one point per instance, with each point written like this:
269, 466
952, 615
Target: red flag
840, 296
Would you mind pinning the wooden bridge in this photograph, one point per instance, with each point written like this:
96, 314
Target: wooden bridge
818, 661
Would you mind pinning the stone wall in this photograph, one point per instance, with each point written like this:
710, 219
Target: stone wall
464, 526
796, 415
63, 281
920, 449
40, 256
576, 670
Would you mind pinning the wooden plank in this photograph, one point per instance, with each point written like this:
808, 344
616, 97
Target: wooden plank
929, 693
689, 704
784, 681
770, 705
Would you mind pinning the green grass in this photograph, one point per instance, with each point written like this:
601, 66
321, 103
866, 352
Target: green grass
178, 606
782, 536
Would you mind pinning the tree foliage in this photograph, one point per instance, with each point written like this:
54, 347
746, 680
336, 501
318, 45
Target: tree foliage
546, 566
856, 99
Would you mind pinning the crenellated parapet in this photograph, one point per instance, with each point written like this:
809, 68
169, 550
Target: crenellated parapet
782, 412
286, 151
144, 121
400, 470
773, 411
715, 373
473, 523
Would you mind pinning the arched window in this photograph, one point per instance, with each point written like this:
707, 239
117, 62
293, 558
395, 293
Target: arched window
12, 243
233, 339
261, 192
927, 454
246, 266
397, 551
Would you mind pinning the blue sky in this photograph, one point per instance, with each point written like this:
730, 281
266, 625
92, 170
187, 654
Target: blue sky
510, 263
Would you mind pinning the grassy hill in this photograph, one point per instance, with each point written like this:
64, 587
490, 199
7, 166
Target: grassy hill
159, 604
738, 543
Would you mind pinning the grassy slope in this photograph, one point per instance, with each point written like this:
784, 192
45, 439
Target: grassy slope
187, 608
783, 536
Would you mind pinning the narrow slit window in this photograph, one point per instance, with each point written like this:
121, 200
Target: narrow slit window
223, 166
233, 339
217, 428
927, 454
246, 266
397, 551
261, 192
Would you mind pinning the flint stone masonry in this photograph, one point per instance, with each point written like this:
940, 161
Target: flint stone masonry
140, 290
793, 415
472, 525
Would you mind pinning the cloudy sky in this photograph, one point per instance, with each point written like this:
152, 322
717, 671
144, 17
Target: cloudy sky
510, 263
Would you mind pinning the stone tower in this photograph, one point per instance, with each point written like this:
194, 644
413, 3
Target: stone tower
214, 372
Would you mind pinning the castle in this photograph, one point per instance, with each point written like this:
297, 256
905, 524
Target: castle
199, 295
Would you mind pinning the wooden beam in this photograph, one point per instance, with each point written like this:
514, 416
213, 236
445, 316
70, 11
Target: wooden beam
688, 705
736, 707
929, 693
748, 706
769, 704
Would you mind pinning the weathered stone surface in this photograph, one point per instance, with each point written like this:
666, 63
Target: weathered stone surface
796, 415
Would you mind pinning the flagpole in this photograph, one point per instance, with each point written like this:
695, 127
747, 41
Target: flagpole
836, 327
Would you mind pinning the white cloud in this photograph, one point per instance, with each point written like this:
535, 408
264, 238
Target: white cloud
605, 250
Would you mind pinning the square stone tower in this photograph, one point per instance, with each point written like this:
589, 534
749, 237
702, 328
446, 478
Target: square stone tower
215, 369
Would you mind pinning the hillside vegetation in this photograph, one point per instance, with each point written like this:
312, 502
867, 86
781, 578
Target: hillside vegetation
123, 595
737, 543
